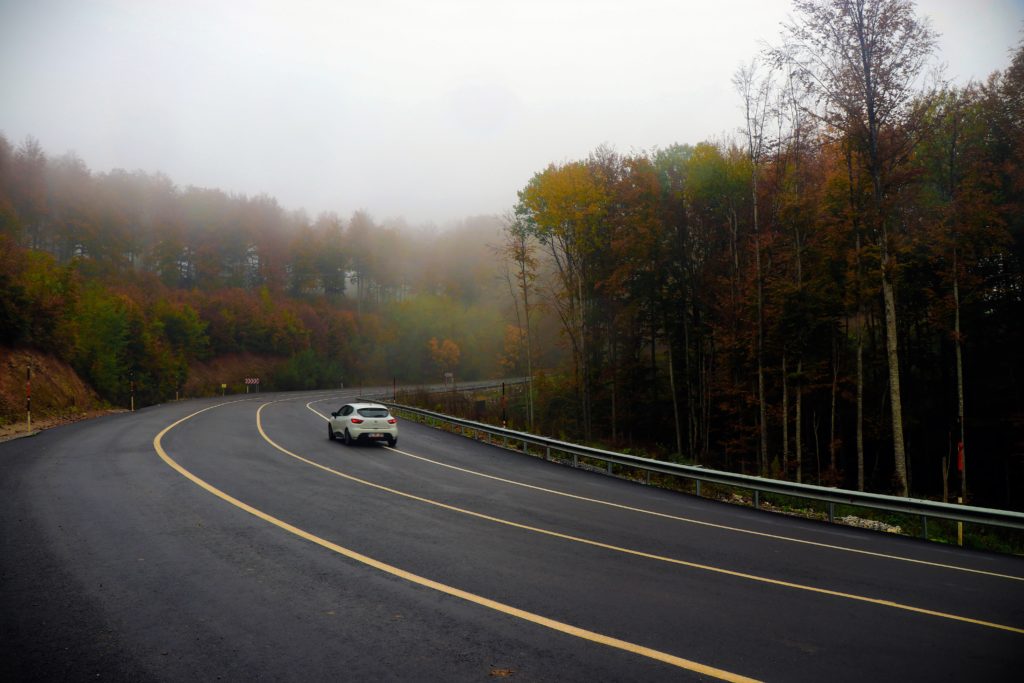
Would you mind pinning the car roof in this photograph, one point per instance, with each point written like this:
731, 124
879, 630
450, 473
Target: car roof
366, 405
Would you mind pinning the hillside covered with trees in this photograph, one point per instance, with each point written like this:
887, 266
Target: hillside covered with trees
124, 275
833, 296
836, 296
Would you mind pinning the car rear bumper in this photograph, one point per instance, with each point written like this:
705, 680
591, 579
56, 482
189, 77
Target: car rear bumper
375, 435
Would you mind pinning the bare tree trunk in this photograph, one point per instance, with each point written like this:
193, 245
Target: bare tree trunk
569, 309
524, 283
675, 402
615, 429
707, 363
762, 410
895, 400
585, 361
945, 479
785, 415
614, 364
756, 93
817, 447
529, 374
832, 413
692, 403
734, 229
860, 405
799, 423
860, 321
962, 450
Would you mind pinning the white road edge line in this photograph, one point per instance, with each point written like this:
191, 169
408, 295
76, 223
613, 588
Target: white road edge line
690, 520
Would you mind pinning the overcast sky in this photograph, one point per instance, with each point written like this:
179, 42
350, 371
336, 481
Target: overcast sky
433, 110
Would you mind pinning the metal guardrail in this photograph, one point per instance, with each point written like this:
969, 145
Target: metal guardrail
444, 388
924, 509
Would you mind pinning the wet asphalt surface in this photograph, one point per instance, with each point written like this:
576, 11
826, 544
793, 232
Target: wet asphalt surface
114, 566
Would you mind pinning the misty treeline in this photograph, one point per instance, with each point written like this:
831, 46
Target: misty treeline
125, 275
835, 296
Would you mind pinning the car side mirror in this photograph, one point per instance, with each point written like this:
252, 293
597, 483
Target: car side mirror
334, 414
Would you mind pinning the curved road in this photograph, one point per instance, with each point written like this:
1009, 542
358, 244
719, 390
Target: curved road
231, 540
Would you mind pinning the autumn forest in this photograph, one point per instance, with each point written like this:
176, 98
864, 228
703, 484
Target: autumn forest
833, 294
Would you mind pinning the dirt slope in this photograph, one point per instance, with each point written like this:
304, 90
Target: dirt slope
58, 393
206, 378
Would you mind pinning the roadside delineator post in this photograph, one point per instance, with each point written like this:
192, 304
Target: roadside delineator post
28, 394
959, 526
960, 498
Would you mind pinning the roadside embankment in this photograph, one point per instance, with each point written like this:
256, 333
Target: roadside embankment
58, 394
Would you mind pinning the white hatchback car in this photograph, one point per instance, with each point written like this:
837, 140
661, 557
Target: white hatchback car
355, 422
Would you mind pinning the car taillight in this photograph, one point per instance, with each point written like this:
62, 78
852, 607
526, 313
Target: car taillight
392, 420
356, 421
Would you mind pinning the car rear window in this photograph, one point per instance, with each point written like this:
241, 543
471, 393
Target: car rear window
373, 412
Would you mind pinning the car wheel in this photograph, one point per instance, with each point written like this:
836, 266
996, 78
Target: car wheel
347, 438
393, 442
330, 432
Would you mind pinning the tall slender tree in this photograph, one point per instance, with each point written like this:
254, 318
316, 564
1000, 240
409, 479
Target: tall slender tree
520, 250
756, 93
862, 60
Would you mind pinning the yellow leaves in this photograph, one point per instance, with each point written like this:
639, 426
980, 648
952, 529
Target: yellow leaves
565, 203
515, 345
445, 354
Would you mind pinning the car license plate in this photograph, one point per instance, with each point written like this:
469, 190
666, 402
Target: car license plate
376, 436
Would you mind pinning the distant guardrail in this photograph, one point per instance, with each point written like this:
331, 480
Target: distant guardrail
522, 441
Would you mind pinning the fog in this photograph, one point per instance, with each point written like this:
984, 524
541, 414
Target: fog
431, 111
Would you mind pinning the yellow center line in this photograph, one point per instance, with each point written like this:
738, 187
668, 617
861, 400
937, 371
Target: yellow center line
630, 551
531, 617
690, 520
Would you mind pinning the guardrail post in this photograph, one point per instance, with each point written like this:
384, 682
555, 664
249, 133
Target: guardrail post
924, 527
831, 513
609, 467
698, 488
757, 499
575, 460
547, 453
648, 477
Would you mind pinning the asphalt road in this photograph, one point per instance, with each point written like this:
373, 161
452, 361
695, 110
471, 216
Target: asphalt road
241, 544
